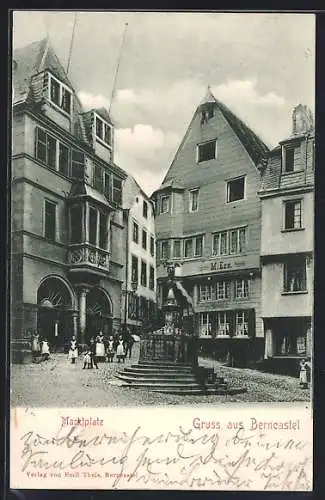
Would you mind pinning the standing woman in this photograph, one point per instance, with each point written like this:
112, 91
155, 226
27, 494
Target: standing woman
100, 347
120, 351
36, 346
303, 379
110, 350
73, 351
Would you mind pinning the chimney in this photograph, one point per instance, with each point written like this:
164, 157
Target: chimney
302, 120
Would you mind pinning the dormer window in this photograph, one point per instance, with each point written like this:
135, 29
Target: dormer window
60, 95
291, 157
103, 131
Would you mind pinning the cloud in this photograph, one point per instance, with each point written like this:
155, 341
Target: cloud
90, 101
145, 152
244, 92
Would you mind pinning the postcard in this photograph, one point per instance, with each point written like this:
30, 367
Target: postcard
162, 251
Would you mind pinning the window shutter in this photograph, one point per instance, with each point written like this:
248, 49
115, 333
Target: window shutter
251, 323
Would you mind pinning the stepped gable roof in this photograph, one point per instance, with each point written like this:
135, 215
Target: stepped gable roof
254, 146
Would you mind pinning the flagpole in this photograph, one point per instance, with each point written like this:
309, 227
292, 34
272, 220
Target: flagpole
117, 68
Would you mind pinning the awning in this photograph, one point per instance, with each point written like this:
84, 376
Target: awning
185, 294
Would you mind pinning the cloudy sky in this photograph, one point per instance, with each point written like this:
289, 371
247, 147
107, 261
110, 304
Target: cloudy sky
260, 65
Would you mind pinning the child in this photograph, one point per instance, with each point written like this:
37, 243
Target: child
45, 350
110, 350
73, 351
87, 361
120, 352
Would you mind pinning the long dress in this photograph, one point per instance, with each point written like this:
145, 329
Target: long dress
303, 374
120, 352
45, 349
36, 348
73, 351
110, 350
100, 347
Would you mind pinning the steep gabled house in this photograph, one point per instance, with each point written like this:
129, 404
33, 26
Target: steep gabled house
208, 220
67, 218
139, 302
287, 246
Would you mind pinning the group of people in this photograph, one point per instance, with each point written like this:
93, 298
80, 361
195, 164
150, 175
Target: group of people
103, 348
40, 348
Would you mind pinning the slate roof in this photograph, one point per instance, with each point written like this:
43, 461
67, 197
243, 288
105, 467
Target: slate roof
271, 178
171, 183
29, 63
254, 146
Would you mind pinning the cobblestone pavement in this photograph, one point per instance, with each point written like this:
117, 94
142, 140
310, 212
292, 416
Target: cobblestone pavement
59, 383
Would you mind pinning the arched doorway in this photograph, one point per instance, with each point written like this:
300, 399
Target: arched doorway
99, 313
55, 303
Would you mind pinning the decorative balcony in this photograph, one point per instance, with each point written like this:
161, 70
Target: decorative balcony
88, 257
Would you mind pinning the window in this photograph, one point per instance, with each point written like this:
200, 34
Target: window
64, 159
41, 145
143, 273
223, 323
66, 100
222, 290
107, 185
144, 239
76, 224
289, 159
152, 246
295, 275
152, 278
206, 293
241, 323
145, 209
205, 324
117, 190
165, 204
135, 234
134, 270
207, 151
77, 165
198, 246
165, 249
98, 179
292, 214
102, 230
93, 214
50, 220
60, 95
236, 189
241, 288
188, 248
229, 242
177, 249
46, 148
103, 131
194, 200
51, 152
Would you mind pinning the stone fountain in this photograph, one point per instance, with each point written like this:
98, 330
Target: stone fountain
168, 360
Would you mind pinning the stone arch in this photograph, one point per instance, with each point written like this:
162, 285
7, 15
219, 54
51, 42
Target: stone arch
55, 303
99, 312
54, 277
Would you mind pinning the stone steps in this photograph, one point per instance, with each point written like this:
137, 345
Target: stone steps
172, 378
157, 373
154, 379
163, 366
